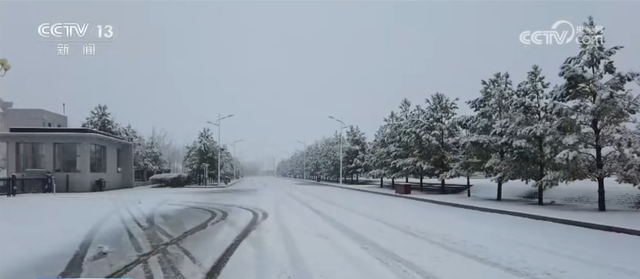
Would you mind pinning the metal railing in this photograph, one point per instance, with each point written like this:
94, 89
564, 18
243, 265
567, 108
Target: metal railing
23, 185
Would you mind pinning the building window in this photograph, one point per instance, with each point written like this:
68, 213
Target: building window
30, 155
119, 160
66, 157
98, 158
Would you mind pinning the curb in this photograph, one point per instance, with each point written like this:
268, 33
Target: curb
568, 222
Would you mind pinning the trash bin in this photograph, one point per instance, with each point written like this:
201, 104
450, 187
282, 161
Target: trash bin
403, 189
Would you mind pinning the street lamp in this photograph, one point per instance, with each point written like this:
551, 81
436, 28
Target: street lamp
304, 162
341, 127
4, 66
217, 123
234, 156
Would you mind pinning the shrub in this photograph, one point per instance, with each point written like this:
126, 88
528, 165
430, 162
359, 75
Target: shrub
170, 179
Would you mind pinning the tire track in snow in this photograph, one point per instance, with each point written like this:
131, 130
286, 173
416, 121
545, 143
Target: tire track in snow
74, 267
148, 274
258, 216
356, 262
167, 266
400, 266
145, 256
509, 270
184, 251
300, 269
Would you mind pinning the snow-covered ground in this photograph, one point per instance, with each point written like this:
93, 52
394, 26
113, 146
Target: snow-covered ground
575, 201
302, 231
619, 196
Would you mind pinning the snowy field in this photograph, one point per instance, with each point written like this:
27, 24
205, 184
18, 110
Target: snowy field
574, 201
293, 230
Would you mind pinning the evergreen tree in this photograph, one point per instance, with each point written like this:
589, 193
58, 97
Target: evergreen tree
403, 138
489, 126
595, 105
101, 120
472, 156
442, 135
375, 160
354, 152
201, 151
393, 151
536, 141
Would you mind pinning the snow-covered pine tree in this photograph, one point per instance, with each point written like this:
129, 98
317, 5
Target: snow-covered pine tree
406, 161
421, 154
442, 135
313, 160
472, 156
154, 154
226, 166
140, 151
376, 159
535, 139
354, 152
393, 151
102, 120
203, 150
595, 105
628, 165
488, 125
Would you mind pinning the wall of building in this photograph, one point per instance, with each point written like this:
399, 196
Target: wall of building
22, 117
83, 180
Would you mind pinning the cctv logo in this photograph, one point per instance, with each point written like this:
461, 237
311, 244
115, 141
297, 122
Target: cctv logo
63, 30
548, 37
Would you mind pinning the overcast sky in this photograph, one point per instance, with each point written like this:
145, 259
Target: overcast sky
283, 67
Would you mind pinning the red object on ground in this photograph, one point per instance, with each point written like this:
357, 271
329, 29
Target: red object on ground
403, 189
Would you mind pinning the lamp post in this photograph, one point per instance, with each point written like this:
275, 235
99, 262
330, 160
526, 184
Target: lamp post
341, 127
304, 161
234, 157
217, 123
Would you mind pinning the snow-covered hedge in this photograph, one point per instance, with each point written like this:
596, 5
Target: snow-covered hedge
170, 179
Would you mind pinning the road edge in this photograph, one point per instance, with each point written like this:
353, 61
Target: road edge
569, 222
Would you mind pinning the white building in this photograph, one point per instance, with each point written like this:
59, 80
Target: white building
77, 157
37, 139
24, 117
28, 117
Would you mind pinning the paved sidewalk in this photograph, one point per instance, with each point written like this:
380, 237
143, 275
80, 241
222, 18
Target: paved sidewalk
587, 216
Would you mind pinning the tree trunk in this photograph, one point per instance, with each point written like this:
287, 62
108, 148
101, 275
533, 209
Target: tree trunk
468, 185
541, 171
357, 176
601, 203
421, 184
499, 195
393, 181
406, 179
600, 172
442, 187
599, 165
381, 185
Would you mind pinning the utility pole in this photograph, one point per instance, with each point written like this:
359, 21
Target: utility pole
341, 128
219, 123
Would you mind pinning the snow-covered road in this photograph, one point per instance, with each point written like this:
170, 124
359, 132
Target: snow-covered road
266, 227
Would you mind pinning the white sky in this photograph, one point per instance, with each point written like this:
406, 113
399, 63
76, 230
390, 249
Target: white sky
283, 67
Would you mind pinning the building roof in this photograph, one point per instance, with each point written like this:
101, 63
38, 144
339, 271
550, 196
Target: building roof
61, 130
